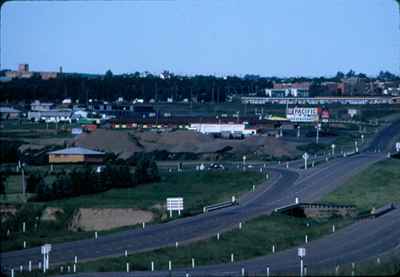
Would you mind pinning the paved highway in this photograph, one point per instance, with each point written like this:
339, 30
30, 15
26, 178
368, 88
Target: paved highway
286, 185
362, 240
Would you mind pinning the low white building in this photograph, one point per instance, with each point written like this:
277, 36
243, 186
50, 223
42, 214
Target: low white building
210, 128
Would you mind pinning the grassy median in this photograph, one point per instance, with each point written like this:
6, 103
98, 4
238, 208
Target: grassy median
375, 187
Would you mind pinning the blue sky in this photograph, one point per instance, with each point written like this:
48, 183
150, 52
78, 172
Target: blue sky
266, 37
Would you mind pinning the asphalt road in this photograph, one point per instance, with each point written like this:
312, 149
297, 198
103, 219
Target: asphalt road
362, 240
309, 186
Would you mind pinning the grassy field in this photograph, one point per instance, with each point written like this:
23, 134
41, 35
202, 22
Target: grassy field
375, 187
254, 239
197, 188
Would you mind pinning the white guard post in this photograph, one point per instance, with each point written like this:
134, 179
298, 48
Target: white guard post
45, 250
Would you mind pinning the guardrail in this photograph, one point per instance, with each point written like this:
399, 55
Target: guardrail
221, 205
381, 211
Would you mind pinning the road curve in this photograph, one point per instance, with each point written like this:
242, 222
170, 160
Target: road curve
288, 184
355, 243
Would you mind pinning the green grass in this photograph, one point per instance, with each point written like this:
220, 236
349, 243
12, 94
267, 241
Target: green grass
197, 188
376, 186
255, 239
13, 184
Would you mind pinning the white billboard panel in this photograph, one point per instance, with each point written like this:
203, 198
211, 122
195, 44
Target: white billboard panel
299, 114
175, 204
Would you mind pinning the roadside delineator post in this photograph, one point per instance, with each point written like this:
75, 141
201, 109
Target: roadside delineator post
95, 235
378, 260
353, 268
243, 271
76, 259
273, 248
69, 269
217, 236
12, 272
267, 271
306, 239
127, 267
152, 266
193, 265
24, 244
61, 269
21, 268
23, 227
333, 228
176, 244
169, 265
232, 258
39, 265
253, 188
144, 225
126, 253
337, 268
240, 225
30, 266
74, 268
305, 270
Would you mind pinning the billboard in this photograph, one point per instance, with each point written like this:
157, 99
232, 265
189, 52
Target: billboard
299, 114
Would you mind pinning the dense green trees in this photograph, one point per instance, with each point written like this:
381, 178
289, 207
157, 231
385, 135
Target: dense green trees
88, 180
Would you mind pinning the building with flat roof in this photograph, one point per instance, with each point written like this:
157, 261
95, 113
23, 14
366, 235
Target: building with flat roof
76, 155
9, 113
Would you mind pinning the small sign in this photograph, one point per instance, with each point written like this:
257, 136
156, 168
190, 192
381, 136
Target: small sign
175, 204
46, 248
397, 146
301, 252
306, 156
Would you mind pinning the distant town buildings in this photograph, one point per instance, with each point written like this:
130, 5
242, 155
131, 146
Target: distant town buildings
23, 72
9, 113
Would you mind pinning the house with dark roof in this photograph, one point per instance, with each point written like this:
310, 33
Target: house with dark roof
76, 155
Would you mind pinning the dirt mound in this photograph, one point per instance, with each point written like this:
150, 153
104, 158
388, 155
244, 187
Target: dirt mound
118, 142
50, 213
88, 219
126, 143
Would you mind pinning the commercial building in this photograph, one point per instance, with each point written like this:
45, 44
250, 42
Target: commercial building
287, 92
319, 100
54, 115
23, 72
76, 155
9, 113
41, 106
207, 128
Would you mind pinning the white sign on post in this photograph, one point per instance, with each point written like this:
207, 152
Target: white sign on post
175, 204
301, 252
45, 250
397, 146
305, 157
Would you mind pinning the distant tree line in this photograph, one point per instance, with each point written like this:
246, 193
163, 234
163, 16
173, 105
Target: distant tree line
88, 180
130, 86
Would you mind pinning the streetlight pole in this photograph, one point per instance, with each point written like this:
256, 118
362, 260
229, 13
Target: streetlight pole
317, 136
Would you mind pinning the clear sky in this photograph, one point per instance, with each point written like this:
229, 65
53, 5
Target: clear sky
266, 37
